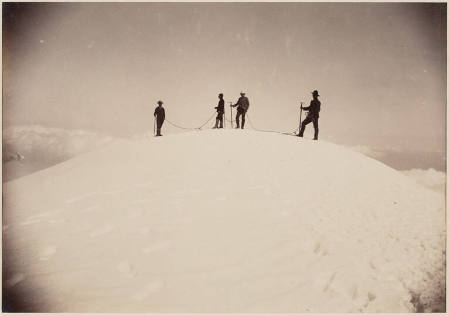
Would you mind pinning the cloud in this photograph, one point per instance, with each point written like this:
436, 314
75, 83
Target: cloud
368, 151
27, 149
431, 178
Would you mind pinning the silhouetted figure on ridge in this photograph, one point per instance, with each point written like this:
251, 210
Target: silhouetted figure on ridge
243, 105
313, 115
220, 111
160, 115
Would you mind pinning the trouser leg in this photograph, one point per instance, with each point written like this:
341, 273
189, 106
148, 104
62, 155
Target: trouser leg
304, 123
221, 121
158, 127
243, 119
237, 118
316, 128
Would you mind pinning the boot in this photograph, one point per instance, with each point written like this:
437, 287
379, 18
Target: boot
300, 133
158, 132
217, 123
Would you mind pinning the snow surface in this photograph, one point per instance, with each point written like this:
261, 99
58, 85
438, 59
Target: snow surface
224, 221
430, 178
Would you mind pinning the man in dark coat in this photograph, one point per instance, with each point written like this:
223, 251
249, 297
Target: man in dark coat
220, 111
243, 105
313, 115
160, 115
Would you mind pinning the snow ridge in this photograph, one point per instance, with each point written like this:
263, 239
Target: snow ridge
224, 221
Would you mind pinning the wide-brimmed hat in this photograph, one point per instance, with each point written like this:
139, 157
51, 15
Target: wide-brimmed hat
315, 92
160, 102
242, 93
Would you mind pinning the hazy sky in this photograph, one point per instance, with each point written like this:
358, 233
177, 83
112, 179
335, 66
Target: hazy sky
380, 68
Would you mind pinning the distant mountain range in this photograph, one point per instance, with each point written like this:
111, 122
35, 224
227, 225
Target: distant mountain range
27, 149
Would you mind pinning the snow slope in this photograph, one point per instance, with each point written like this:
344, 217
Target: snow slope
431, 178
225, 221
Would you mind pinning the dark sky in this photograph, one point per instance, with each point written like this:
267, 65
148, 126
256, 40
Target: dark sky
380, 68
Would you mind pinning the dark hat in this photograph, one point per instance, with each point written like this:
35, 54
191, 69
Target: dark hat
315, 92
160, 102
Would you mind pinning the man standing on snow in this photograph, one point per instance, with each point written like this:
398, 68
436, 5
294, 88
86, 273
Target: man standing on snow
220, 111
313, 115
160, 115
242, 105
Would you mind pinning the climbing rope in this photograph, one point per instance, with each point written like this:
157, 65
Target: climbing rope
269, 131
190, 128
232, 121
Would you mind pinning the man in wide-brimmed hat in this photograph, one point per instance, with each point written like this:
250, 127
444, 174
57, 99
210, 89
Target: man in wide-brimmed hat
313, 115
160, 115
243, 105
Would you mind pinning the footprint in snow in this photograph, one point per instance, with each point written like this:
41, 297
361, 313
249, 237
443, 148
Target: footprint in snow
157, 246
320, 250
127, 269
371, 296
102, 230
354, 292
329, 282
148, 290
16, 278
47, 253
317, 247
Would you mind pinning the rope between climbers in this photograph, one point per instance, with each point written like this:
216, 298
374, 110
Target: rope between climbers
269, 131
231, 121
189, 128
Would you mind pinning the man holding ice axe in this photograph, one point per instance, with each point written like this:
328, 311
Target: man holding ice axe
242, 105
313, 115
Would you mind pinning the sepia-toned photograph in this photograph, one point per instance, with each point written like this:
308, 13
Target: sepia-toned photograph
224, 157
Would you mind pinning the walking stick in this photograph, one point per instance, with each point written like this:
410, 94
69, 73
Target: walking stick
300, 123
231, 114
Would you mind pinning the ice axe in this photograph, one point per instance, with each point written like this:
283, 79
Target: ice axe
300, 122
231, 114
